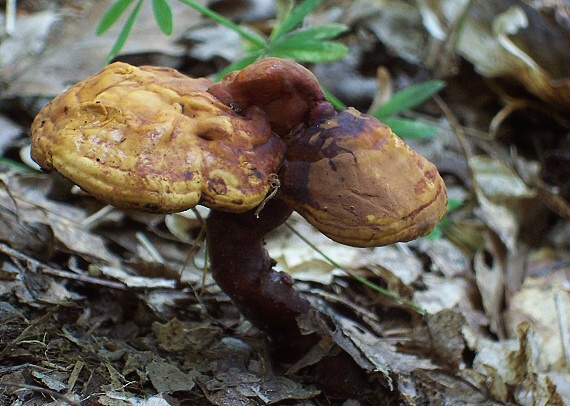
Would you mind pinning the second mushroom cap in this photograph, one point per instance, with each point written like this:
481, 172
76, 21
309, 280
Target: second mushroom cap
353, 179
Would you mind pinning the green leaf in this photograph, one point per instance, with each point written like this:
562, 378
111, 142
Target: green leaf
162, 15
112, 15
124, 34
407, 128
321, 32
294, 18
408, 98
335, 101
17, 165
314, 52
454, 204
282, 9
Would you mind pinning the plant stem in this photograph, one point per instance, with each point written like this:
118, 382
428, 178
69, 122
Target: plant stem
360, 279
254, 39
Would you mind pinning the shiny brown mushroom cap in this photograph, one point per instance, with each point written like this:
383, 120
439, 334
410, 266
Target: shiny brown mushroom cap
359, 184
286, 91
151, 138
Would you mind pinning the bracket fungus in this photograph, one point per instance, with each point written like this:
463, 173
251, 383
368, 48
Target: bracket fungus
152, 139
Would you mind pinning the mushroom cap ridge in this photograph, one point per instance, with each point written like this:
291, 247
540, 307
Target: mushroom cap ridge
153, 139
358, 183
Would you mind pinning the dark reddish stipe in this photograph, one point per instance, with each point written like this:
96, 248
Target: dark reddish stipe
244, 271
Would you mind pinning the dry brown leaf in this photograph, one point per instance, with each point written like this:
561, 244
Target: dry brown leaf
445, 330
166, 377
445, 293
544, 303
26, 197
184, 336
73, 50
504, 38
446, 257
491, 283
396, 23
501, 195
509, 368
135, 281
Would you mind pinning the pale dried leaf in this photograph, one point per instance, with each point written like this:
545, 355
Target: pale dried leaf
444, 293
27, 41
506, 39
25, 195
73, 51
509, 368
136, 281
9, 131
215, 41
497, 181
445, 330
446, 257
53, 381
396, 23
491, 284
306, 263
183, 225
112, 398
166, 377
500, 219
543, 302
234, 383
381, 353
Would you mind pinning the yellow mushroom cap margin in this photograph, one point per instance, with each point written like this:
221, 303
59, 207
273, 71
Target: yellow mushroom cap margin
360, 184
152, 139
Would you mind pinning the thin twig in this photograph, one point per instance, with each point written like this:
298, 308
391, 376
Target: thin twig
563, 324
42, 390
25, 331
198, 241
95, 218
46, 269
150, 248
10, 22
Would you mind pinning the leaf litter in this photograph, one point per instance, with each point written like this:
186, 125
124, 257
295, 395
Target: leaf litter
90, 314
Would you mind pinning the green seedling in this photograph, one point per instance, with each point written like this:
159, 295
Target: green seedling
287, 40
404, 100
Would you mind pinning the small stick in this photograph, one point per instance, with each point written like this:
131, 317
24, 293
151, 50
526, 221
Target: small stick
12, 253
563, 324
95, 218
42, 390
10, 23
150, 248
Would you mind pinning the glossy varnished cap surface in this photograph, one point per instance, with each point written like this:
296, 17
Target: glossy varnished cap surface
359, 184
153, 139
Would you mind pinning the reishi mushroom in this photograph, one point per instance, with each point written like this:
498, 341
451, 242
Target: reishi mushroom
150, 138
153, 139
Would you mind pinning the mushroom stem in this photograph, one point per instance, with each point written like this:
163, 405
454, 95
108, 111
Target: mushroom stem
244, 271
